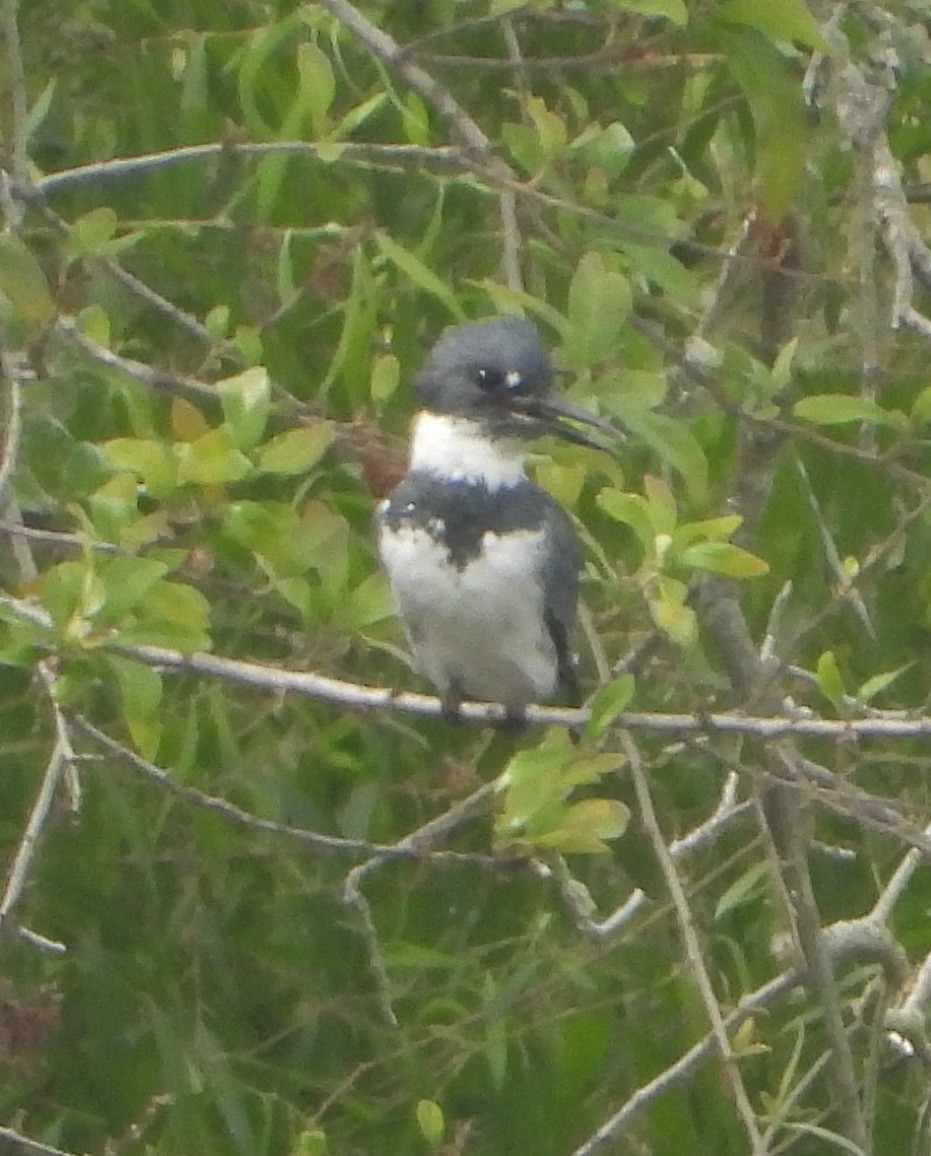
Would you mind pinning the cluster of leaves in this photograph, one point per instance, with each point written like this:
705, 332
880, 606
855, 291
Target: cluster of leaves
216, 994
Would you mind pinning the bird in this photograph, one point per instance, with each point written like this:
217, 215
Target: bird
483, 564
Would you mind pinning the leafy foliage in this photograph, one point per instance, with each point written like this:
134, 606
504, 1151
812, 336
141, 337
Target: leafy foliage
263, 923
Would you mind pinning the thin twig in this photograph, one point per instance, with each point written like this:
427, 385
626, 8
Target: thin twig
16, 77
35, 1147
678, 1073
894, 890
692, 946
354, 897
443, 159
705, 834
387, 49
415, 843
130, 281
408, 848
138, 370
25, 852
9, 453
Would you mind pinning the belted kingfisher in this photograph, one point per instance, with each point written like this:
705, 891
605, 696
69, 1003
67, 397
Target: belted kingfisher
483, 564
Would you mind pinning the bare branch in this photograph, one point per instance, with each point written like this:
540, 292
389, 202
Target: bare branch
42, 942
409, 848
34, 1147
128, 280
576, 897
58, 538
353, 896
678, 1073
417, 158
364, 697
390, 52
16, 75
25, 853
832, 554
862, 106
692, 946
9, 453
138, 370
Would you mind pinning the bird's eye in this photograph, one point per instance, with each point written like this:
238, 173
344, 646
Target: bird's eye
495, 380
490, 379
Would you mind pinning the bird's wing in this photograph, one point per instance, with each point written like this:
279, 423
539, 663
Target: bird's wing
560, 574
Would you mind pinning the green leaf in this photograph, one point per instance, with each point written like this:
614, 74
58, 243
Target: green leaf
530, 781
748, 888
431, 1122
780, 118
312, 1143
217, 322
152, 461
318, 84
40, 109
839, 408
195, 84
296, 451
212, 460
24, 285
880, 682
417, 127
600, 301
353, 120
413, 268
366, 604
141, 693
673, 10
72, 592
91, 232
287, 544
610, 148
525, 146
21, 642
551, 128
536, 785
508, 300
94, 322
245, 399
126, 582
785, 20
710, 529
256, 65
671, 614
632, 510
921, 407
385, 378
829, 679
781, 372
672, 441
661, 503
174, 615
584, 827
611, 701
723, 558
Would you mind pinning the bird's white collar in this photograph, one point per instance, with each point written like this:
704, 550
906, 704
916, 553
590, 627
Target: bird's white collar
459, 449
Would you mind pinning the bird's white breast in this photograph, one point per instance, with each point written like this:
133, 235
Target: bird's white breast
477, 629
458, 449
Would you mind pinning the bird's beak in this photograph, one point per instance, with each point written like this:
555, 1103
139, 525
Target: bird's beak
554, 413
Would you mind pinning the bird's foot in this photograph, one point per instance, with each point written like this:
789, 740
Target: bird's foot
514, 721
450, 711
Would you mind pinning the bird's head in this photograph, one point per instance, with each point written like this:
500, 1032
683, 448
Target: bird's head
499, 374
